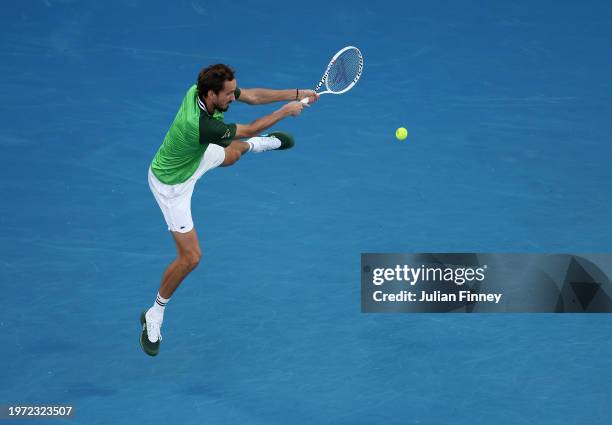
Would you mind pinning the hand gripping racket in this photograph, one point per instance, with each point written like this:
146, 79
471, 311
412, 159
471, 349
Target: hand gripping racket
342, 73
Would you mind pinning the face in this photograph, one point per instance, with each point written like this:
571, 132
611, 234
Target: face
226, 96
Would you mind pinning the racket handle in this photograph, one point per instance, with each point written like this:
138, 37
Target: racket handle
304, 101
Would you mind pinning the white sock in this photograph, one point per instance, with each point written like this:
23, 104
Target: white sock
157, 311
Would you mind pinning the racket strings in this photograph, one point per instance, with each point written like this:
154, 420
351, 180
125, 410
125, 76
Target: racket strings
345, 70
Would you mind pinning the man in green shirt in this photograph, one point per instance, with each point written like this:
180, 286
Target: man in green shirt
198, 140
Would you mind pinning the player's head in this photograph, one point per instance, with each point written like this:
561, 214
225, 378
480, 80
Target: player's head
217, 84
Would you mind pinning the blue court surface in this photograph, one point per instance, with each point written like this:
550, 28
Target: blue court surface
509, 110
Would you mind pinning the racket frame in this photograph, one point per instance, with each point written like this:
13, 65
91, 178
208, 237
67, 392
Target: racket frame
325, 74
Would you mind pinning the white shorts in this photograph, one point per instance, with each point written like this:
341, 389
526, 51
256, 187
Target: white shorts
175, 199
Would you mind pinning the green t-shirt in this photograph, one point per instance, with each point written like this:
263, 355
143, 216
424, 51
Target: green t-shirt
192, 131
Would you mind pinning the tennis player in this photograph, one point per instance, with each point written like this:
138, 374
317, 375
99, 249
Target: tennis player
198, 141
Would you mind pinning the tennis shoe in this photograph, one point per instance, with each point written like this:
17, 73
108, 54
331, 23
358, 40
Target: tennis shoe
150, 337
273, 141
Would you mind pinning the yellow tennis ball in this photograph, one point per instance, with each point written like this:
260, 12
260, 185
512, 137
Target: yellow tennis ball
401, 133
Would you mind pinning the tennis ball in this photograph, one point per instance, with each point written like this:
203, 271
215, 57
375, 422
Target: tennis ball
401, 133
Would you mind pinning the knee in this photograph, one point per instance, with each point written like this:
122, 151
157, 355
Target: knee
231, 156
237, 155
191, 259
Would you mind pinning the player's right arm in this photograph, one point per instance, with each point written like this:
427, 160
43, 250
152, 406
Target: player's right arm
253, 129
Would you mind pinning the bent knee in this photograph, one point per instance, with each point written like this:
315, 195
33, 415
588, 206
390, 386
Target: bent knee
191, 259
231, 156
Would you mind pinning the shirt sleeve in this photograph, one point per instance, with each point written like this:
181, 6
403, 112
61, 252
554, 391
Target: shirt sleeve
216, 132
237, 93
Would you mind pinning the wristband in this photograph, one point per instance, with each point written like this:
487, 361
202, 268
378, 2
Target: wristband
297, 94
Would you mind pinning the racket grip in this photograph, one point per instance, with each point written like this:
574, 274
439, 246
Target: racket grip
304, 101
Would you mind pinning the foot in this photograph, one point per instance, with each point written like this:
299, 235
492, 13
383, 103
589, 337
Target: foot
273, 141
150, 337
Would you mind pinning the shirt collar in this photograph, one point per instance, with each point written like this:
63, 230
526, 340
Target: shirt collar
202, 105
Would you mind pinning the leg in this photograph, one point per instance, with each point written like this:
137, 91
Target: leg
188, 257
273, 141
175, 204
234, 151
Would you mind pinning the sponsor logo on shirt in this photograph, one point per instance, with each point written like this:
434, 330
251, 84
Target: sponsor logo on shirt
227, 134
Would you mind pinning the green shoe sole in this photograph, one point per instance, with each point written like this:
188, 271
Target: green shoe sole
150, 348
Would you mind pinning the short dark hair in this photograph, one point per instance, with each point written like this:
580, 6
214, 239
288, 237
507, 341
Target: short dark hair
213, 77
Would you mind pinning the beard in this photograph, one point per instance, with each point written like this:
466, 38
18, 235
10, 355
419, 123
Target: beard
219, 108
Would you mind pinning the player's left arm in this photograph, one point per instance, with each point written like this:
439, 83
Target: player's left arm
262, 96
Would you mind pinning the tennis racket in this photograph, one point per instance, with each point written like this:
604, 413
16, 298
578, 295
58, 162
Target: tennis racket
342, 73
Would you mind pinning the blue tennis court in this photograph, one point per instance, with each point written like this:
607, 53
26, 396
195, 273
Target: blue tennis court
508, 108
